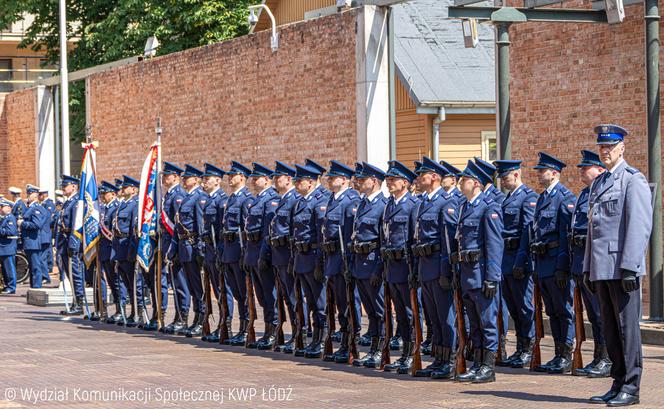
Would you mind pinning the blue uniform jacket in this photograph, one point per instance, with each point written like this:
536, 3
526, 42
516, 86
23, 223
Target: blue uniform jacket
436, 215
397, 233
550, 225
480, 227
366, 228
125, 241
579, 227
518, 210
495, 194
170, 204
189, 226
35, 218
50, 207
213, 214
260, 212
339, 213
8, 235
65, 223
233, 221
281, 226
19, 208
107, 214
308, 216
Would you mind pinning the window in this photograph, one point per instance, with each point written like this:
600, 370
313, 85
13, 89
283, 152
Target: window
489, 146
5, 76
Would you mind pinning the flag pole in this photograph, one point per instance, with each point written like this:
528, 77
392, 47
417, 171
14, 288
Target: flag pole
158, 272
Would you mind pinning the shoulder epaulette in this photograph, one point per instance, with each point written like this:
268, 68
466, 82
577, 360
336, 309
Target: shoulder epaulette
631, 170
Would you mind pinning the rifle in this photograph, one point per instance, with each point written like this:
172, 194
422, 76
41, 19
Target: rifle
251, 302
299, 314
207, 283
385, 355
330, 307
350, 303
281, 311
99, 295
461, 319
222, 301
577, 360
536, 359
415, 306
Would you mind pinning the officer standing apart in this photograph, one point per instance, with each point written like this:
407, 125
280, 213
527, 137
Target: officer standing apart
367, 263
259, 215
552, 260
619, 227
32, 228
68, 255
590, 168
480, 254
233, 225
8, 239
396, 241
517, 282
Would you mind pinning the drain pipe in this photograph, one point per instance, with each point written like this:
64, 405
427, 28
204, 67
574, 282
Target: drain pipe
435, 143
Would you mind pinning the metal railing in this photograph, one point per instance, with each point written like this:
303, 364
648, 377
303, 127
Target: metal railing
16, 79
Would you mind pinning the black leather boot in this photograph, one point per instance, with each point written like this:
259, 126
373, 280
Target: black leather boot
211, 337
314, 349
407, 356
603, 399
375, 353
288, 344
196, 329
341, 355
523, 360
517, 353
141, 322
584, 371
503, 360
564, 364
336, 336
396, 343
269, 337
183, 331
407, 349
471, 373
487, 371
300, 352
425, 346
131, 319
241, 337
113, 319
553, 362
448, 369
153, 324
177, 321
603, 367
363, 340
74, 309
436, 364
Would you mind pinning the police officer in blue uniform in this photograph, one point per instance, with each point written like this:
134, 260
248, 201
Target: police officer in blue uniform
367, 263
32, 227
8, 246
437, 216
396, 240
107, 215
308, 216
214, 245
480, 251
19, 205
70, 254
47, 246
488, 187
552, 260
188, 243
450, 181
259, 215
232, 256
336, 231
279, 247
619, 226
172, 269
125, 244
590, 168
517, 283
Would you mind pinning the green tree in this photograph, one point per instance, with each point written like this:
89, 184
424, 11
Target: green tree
109, 30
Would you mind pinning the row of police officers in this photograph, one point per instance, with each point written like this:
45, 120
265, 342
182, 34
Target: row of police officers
280, 235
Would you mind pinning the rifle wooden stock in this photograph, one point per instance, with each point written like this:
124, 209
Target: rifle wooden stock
577, 360
207, 283
251, 302
299, 314
461, 333
279, 339
417, 353
539, 329
385, 356
99, 295
350, 304
329, 315
499, 352
223, 308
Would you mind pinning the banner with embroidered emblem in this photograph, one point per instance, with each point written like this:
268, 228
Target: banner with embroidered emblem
87, 216
147, 217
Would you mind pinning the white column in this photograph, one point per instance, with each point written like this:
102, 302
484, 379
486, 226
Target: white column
45, 139
372, 86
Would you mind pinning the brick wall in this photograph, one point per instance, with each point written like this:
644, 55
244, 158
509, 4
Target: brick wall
568, 78
17, 139
234, 100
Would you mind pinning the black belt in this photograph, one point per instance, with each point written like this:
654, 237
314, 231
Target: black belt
426, 249
579, 240
254, 235
512, 243
331, 246
279, 241
470, 255
229, 235
305, 246
541, 247
364, 247
393, 254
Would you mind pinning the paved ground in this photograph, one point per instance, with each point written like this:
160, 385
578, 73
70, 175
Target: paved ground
48, 360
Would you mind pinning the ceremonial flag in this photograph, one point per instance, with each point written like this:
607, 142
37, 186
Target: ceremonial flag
147, 211
86, 222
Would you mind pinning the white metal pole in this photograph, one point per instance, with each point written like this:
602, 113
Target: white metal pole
64, 90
